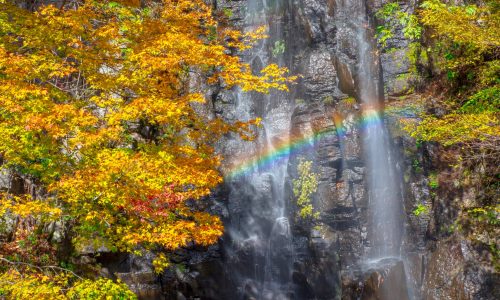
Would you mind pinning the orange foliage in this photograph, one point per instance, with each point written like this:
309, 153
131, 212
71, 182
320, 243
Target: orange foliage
96, 105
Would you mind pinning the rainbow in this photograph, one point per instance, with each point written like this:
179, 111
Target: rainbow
280, 153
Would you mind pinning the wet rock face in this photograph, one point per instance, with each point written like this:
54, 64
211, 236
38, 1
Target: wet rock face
455, 271
320, 76
316, 20
442, 264
322, 47
340, 197
325, 256
381, 280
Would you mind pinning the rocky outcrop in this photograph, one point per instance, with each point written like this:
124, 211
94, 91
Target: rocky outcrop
454, 273
323, 259
384, 279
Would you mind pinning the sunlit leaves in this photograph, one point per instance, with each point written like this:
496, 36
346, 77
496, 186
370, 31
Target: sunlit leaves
304, 188
467, 36
47, 286
470, 24
457, 128
24, 206
96, 108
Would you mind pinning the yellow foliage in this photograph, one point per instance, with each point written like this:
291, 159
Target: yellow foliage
15, 285
36, 285
96, 106
160, 263
456, 128
476, 29
25, 206
470, 24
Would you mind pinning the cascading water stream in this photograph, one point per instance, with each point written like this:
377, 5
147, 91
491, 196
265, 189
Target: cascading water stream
261, 246
383, 190
383, 183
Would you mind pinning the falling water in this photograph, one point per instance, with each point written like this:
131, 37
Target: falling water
261, 243
383, 183
258, 244
383, 189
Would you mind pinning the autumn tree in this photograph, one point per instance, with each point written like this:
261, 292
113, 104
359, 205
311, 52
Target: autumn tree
462, 114
464, 44
97, 109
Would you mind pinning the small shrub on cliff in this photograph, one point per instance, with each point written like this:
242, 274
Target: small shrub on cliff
304, 188
393, 17
420, 209
279, 48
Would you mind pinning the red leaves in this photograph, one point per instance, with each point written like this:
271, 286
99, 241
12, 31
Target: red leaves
161, 204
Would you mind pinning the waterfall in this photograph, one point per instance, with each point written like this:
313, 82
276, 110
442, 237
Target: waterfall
383, 189
260, 250
383, 180
259, 244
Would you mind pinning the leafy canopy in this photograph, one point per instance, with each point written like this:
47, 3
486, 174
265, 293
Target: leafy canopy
99, 108
466, 46
463, 42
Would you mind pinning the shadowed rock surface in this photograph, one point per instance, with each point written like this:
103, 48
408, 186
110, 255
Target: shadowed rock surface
266, 254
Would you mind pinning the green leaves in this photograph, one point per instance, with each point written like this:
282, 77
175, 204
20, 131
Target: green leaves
411, 27
228, 12
303, 189
471, 10
485, 100
393, 16
387, 10
113, 4
420, 209
279, 48
383, 34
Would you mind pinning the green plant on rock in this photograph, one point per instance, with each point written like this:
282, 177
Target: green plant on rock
393, 17
417, 167
485, 221
328, 100
300, 101
227, 12
279, 48
304, 188
420, 209
349, 101
383, 35
433, 181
